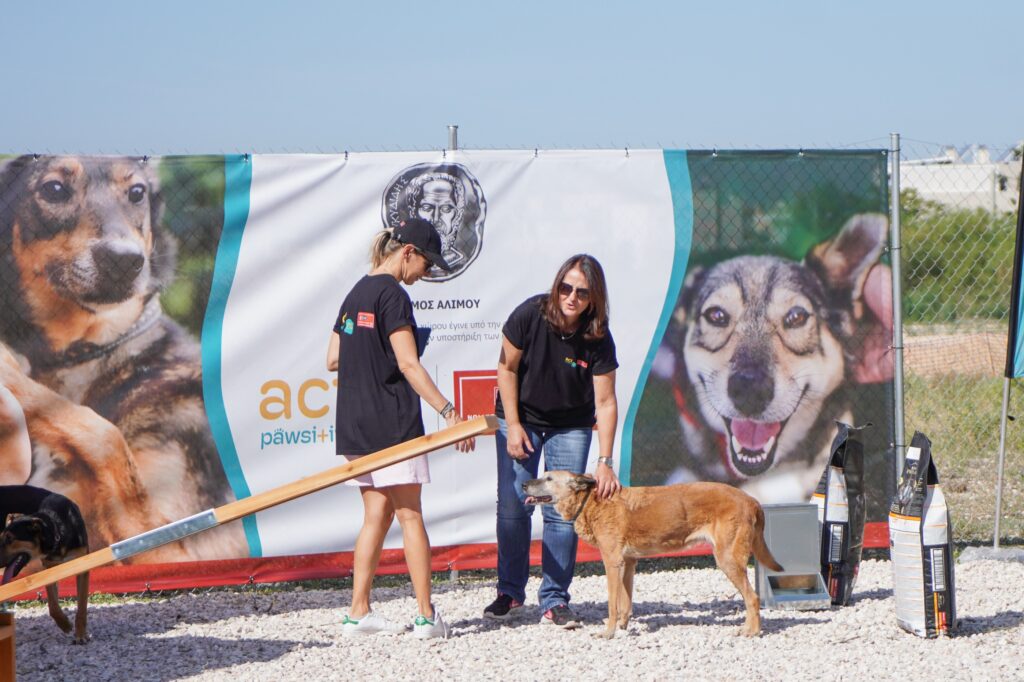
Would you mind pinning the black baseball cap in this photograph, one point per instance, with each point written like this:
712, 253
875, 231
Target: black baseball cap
423, 235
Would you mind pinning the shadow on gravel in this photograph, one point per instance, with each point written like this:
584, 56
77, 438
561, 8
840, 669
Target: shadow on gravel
650, 615
654, 615
135, 657
872, 595
163, 615
481, 625
1007, 620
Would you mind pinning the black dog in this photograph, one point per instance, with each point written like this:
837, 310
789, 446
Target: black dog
48, 527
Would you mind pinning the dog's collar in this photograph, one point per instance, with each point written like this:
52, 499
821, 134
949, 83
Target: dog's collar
83, 351
582, 504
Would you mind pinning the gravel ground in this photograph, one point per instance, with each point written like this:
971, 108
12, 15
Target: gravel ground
684, 625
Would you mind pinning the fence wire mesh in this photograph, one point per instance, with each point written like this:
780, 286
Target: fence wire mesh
959, 212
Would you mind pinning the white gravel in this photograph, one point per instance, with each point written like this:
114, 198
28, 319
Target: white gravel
684, 626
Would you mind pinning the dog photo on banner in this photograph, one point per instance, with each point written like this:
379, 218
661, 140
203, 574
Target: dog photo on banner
781, 326
105, 269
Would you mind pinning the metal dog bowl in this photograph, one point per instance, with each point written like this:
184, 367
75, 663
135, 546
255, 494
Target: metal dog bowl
792, 534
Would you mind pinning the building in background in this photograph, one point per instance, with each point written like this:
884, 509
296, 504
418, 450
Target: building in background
967, 178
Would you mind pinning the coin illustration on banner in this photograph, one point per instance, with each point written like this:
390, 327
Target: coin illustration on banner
449, 197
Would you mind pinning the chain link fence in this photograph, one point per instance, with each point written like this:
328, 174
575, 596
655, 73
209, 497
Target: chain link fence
959, 213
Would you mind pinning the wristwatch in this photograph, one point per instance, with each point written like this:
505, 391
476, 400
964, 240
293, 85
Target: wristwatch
607, 461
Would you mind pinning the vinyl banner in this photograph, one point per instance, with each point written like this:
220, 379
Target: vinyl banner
188, 303
1015, 339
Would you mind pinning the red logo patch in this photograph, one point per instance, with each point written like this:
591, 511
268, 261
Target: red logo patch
475, 391
365, 320
582, 363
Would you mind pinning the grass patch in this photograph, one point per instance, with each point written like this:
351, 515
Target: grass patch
960, 415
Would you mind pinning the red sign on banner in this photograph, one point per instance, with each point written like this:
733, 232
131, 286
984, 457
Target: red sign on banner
475, 392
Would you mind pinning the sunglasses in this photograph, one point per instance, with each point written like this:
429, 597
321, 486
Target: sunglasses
566, 289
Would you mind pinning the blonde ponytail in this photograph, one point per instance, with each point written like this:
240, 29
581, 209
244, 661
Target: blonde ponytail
382, 247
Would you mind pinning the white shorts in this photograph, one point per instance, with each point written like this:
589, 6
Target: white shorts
415, 470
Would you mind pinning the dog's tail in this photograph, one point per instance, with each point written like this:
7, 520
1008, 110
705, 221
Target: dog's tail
761, 551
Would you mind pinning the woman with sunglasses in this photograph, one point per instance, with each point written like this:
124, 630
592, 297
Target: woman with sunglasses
556, 379
380, 384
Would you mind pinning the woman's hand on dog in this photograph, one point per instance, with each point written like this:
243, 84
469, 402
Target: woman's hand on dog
607, 482
519, 445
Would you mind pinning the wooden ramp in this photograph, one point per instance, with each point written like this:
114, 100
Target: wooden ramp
212, 518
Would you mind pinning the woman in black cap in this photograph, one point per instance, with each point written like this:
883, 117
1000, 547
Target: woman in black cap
380, 384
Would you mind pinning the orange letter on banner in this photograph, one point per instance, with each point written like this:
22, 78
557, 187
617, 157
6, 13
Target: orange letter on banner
285, 401
305, 409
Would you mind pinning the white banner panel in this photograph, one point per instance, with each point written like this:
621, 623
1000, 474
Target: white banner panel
305, 244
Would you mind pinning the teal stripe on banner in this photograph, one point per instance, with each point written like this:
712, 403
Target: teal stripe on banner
678, 170
237, 182
1018, 352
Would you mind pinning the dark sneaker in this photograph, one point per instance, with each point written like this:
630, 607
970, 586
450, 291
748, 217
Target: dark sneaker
562, 616
502, 608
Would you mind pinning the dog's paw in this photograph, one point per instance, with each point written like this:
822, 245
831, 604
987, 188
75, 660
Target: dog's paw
80, 640
603, 633
745, 631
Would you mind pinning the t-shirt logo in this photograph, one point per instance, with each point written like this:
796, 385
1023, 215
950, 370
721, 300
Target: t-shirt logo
365, 320
346, 324
574, 362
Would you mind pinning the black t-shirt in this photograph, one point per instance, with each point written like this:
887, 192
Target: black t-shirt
377, 408
556, 376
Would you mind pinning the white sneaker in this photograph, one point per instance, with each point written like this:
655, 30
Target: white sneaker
370, 624
426, 628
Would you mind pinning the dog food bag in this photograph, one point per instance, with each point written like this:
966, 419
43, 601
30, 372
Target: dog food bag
841, 512
921, 547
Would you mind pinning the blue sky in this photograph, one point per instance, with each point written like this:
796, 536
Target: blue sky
228, 76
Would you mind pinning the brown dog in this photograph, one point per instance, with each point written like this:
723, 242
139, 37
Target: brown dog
639, 522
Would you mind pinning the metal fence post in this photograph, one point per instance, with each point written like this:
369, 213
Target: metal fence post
453, 138
897, 299
1002, 461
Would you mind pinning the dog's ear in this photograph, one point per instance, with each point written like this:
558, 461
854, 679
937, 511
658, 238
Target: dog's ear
25, 526
156, 199
165, 249
582, 482
842, 263
695, 279
16, 326
14, 173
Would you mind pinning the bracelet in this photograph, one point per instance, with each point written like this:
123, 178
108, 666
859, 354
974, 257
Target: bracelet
607, 461
447, 409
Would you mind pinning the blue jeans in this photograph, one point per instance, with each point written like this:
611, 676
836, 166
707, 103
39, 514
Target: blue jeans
562, 449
